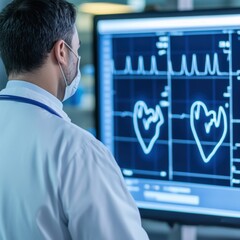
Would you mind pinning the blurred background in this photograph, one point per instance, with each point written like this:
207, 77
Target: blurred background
81, 107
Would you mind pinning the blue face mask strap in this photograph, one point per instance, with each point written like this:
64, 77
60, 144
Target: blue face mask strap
28, 101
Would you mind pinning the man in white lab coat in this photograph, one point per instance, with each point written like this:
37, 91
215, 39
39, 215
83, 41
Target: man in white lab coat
56, 180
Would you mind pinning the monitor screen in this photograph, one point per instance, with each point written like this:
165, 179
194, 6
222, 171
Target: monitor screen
168, 108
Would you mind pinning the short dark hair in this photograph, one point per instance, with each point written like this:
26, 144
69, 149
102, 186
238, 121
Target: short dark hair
30, 28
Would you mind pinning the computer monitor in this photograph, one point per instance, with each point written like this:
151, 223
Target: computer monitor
168, 108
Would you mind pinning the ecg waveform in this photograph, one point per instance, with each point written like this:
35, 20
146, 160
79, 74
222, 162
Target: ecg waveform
141, 68
210, 68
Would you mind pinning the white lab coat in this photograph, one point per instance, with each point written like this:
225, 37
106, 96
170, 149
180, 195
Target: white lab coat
56, 180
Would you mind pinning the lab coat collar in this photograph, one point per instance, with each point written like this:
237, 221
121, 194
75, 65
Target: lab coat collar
32, 91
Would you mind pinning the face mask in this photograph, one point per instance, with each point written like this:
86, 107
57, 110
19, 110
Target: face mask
72, 88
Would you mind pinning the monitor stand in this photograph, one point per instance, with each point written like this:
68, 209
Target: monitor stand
183, 232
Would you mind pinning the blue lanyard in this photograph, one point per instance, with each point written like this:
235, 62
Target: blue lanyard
28, 101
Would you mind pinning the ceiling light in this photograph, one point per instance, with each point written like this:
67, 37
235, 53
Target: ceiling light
104, 8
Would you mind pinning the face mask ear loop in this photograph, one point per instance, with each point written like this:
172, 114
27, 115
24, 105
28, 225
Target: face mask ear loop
65, 80
71, 49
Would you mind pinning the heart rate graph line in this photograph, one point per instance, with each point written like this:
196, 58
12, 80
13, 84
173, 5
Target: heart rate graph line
123, 114
210, 68
141, 67
180, 116
154, 116
217, 118
236, 121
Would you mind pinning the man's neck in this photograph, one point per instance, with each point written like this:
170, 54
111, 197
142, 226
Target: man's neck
43, 78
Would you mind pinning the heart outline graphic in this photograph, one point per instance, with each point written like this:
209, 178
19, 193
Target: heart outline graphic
216, 120
156, 115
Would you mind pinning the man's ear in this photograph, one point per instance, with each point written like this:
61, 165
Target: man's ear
60, 52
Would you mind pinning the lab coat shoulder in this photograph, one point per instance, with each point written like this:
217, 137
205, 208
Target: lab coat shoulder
82, 146
94, 196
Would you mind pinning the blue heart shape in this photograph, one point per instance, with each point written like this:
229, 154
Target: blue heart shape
154, 116
215, 120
